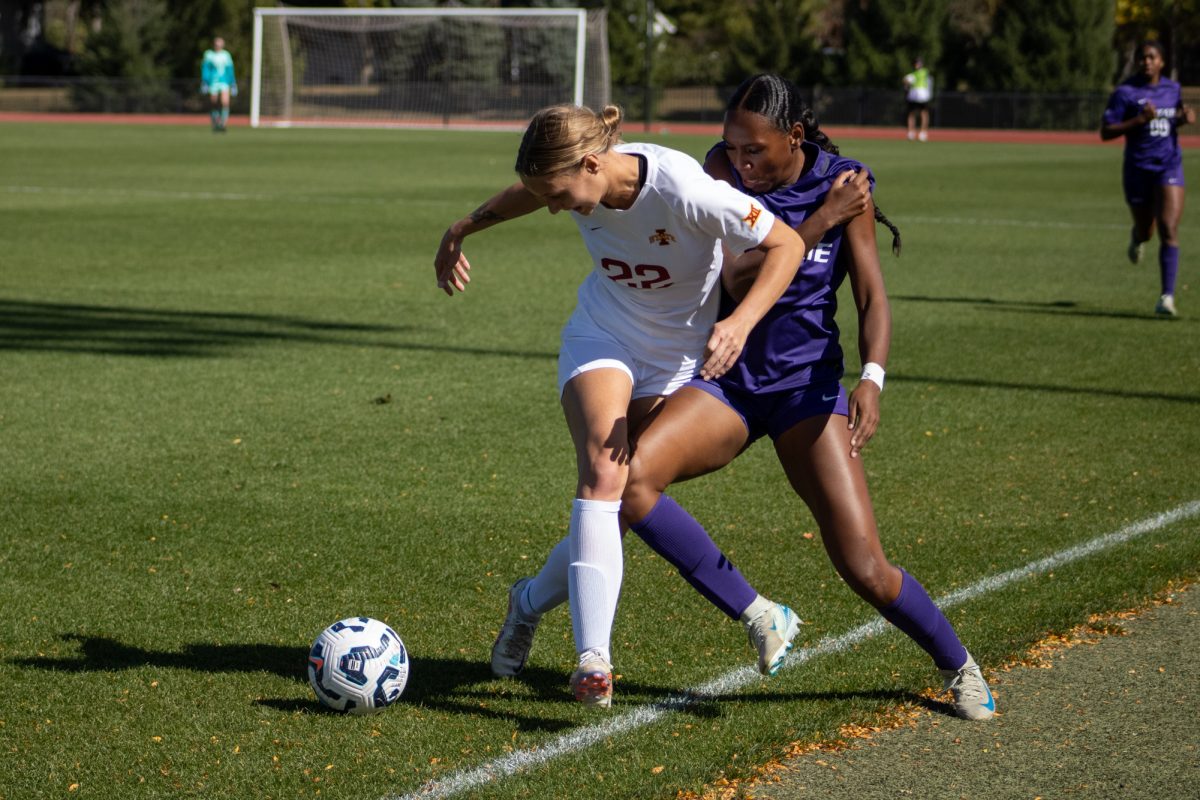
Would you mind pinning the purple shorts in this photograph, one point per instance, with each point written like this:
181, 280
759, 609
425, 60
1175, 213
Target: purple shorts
1140, 183
775, 413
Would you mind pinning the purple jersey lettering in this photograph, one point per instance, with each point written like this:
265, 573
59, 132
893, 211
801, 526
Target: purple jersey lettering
1155, 145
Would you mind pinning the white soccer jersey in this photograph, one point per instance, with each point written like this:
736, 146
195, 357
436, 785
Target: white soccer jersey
656, 264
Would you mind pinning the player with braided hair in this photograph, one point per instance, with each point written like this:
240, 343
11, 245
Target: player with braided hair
785, 385
646, 319
1147, 109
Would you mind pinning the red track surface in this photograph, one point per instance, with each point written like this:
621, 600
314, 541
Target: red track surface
711, 129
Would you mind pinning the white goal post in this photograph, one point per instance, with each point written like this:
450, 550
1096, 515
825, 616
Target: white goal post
424, 67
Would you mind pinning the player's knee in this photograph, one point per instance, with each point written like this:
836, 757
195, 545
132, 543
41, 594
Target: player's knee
603, 479
871, 579
637, 500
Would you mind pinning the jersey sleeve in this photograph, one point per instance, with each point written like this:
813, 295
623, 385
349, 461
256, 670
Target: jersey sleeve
1118, 109
208, 71
717, 208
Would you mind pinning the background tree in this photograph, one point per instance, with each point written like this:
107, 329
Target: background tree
1048, 46
882, 37
779, 36
1176, 23
130, 43
14, 21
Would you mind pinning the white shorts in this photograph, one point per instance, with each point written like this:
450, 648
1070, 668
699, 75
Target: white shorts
587, 346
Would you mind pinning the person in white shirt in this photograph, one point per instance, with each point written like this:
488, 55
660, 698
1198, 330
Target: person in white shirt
655, 226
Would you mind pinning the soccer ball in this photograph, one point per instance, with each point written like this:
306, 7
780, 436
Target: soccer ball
358, 665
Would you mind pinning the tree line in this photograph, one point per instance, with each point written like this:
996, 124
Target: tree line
986, 45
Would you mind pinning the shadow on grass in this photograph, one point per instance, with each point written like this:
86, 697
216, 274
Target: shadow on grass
1055, 307
890, 697
453, 685
131, 331
979, 383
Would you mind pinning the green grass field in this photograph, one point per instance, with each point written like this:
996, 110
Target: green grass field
234, 408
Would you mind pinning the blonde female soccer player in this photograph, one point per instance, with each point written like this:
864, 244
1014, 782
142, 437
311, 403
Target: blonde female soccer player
646, 318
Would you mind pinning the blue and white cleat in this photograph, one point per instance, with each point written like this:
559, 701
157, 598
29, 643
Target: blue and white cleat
771, 633
972, 698
515, 640
1165, 306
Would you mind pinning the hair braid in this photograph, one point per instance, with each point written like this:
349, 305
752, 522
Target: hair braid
891, 226
778, 99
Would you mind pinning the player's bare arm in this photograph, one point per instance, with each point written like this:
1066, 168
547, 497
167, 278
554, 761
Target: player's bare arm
452, 267
846, 199
874, 324
1149, 112
784, 251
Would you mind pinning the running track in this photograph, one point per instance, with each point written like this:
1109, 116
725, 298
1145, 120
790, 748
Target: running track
711, 129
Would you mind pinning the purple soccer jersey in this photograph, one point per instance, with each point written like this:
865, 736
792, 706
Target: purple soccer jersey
796, 343
1155, 145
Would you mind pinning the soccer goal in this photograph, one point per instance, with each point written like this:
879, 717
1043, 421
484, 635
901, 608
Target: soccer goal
424, 67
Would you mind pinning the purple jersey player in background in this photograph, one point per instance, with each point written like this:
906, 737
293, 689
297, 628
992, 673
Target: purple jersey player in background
785, 385
1147, 109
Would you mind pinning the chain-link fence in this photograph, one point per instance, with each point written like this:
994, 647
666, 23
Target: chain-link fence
862, 106
107, 95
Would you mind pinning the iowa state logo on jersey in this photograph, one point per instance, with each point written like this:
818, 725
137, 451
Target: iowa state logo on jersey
661, 237
752, 218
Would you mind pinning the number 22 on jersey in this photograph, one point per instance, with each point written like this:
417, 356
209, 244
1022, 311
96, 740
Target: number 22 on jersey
648, 276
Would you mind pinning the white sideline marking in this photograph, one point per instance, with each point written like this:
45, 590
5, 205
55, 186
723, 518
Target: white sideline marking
743, 676
72, 191
1012, 223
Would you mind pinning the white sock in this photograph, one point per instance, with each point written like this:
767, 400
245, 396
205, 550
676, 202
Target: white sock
594, 576
548, 589
757, 607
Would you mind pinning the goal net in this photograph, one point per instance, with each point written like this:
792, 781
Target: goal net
424, 67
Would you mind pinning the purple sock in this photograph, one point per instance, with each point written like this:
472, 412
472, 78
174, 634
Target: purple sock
1168, 266
676, 536
914, 613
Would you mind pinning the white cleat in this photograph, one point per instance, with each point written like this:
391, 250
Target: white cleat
515, 640
1165, 306
771, 633
592, 681
972, 698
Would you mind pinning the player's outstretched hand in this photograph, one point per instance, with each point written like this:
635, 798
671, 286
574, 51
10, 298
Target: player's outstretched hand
848, 196
451, 265
724, 346
864, 415
1189, 115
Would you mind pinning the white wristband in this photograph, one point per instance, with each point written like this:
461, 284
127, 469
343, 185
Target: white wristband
874, 373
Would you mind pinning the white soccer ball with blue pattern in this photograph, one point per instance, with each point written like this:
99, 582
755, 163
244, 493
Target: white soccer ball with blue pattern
358, 665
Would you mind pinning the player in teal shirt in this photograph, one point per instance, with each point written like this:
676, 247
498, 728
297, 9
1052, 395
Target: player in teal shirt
217, 81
